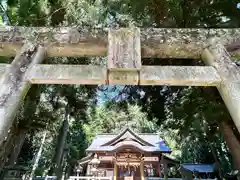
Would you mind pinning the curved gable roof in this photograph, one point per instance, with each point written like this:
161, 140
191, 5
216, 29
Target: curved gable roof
149, 142
127, 134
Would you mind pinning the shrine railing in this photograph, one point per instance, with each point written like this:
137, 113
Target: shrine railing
176, 179
89, 178
110, 178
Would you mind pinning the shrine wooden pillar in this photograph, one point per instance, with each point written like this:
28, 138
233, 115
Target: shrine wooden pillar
115, 171
158, 169
165, 167
142, 170
165, 170
88, 169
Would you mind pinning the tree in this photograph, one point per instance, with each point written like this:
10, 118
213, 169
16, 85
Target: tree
201, 114
38, 156
113, 117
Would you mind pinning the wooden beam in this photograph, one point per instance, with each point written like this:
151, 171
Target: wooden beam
67, 74
14, 85
179, 76
66, 41
218, 57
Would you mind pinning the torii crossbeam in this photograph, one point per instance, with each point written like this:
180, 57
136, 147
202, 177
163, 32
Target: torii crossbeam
124, 48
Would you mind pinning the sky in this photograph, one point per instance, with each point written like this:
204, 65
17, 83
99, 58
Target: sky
110, 92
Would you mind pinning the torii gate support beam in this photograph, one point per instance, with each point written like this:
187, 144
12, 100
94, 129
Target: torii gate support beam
15, 85
229, 88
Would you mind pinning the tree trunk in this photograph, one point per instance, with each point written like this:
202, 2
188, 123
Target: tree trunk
6, 147
12, 147
231, 141
159, 11
62, 169
18, 143
4, 154
67, 172
57, 159
215, 156
38, 156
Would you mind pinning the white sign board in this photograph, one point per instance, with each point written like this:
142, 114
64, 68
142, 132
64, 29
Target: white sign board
151, 159
105, 158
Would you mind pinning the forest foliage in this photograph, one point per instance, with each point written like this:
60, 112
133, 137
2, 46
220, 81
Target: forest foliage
187, 118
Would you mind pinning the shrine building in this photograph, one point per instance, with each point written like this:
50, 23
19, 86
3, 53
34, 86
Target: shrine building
127, 156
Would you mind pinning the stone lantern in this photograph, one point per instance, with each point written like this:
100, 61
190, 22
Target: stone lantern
78, 169
94, 162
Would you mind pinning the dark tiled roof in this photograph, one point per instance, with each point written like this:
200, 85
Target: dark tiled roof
201, 168
127, 134
153, 143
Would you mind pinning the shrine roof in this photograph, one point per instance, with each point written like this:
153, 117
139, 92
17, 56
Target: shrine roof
201, 168
85, 159
148, 142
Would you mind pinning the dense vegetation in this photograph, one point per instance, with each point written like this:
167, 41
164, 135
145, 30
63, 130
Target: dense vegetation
56, 123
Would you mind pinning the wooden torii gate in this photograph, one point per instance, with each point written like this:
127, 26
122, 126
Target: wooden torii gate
124, 48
